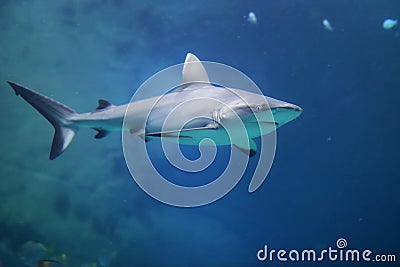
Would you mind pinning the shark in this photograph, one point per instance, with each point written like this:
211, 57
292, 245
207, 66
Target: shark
223, 108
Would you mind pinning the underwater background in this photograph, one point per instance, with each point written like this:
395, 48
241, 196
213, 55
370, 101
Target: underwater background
336, 169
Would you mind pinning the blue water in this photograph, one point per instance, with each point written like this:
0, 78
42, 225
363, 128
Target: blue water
335, 173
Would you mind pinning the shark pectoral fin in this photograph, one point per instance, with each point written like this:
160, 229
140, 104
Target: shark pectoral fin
176, 133
169, 135
267, 123
142, 136
139, 133
193, 70
101, 133
249, 149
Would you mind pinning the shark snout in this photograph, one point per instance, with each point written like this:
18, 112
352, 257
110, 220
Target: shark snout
275, 103
297, 108
291, 106
282, 111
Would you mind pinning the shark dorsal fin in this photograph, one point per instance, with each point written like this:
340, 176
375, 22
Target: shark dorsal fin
103, 104
193, 70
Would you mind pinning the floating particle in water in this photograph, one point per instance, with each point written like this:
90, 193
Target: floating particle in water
327, 25
252, 18
389, 23
329, 139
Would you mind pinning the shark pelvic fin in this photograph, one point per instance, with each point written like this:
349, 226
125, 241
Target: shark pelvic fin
193, 70
101, 133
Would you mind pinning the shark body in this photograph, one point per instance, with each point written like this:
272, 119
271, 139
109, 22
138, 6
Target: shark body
219, 109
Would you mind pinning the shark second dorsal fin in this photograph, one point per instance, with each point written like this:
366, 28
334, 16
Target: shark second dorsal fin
103, 104
193, 70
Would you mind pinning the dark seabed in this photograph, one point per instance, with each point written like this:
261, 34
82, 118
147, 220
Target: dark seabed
335, 173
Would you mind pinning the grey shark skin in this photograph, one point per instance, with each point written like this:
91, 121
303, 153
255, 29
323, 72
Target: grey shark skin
145, 118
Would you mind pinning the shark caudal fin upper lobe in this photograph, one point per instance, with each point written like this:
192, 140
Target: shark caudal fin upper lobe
55, 112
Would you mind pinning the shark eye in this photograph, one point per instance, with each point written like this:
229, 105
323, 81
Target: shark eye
259, 108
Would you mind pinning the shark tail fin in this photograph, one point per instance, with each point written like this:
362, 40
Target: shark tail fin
55, 112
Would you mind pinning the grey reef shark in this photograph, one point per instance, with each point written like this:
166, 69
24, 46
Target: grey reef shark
145, 118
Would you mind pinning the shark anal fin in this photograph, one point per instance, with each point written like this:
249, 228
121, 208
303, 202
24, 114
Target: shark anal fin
250, 149
101, 133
